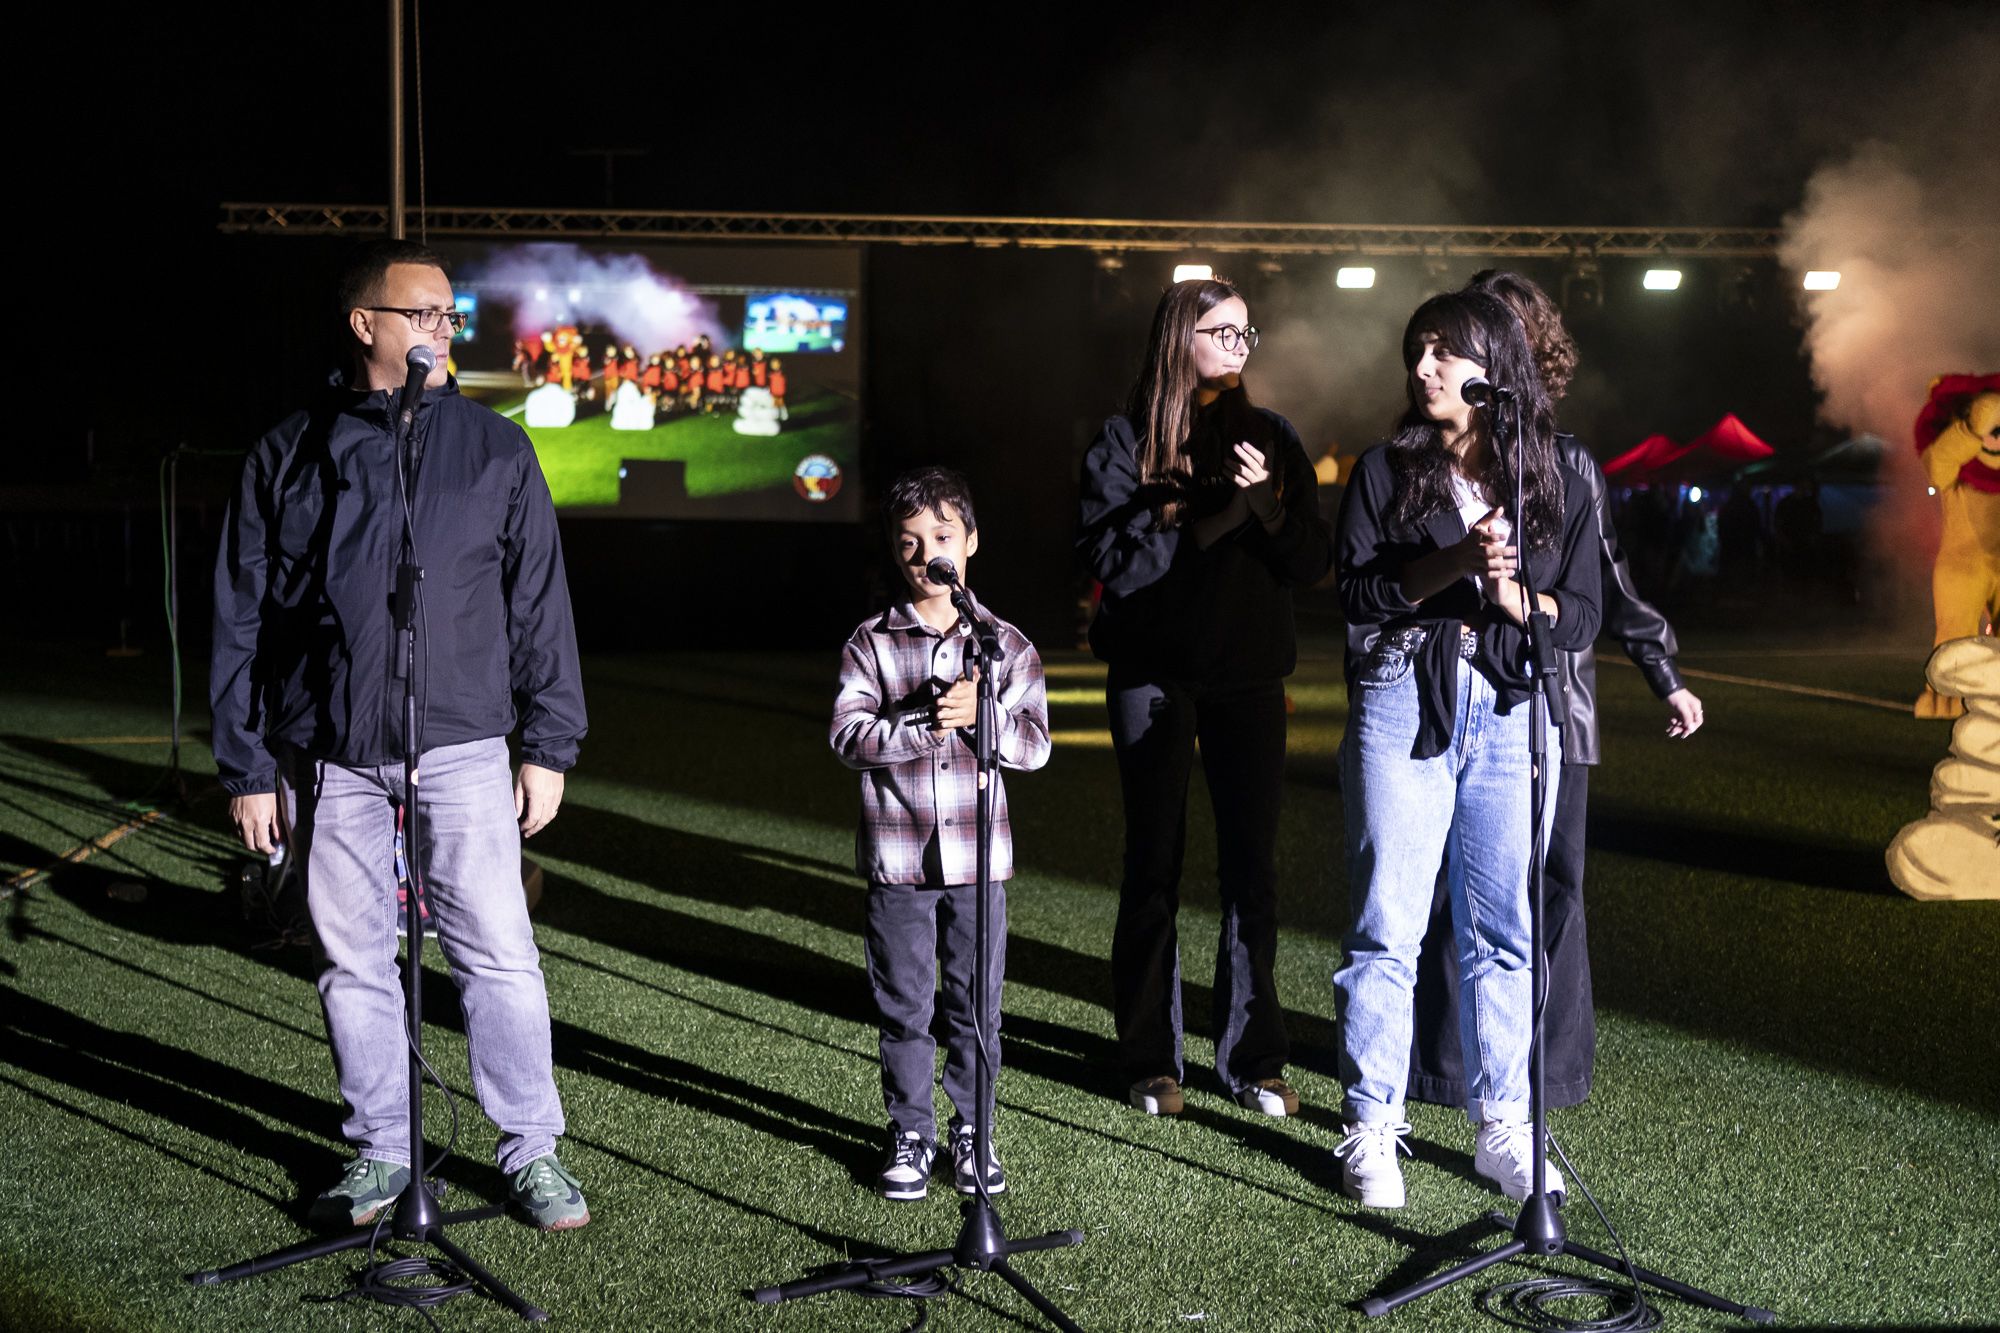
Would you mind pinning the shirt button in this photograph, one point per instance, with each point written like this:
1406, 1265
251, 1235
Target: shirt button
947, 823
944, 765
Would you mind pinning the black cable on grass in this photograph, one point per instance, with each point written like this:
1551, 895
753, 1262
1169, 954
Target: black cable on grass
1530, 1304
400, 1282
929, 1287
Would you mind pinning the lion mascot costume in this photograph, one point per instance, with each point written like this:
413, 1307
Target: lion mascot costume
1958, 437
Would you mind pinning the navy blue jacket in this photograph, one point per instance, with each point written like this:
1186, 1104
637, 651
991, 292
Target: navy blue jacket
305, 651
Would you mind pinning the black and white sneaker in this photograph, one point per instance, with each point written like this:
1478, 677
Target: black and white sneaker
906, 1173
961, 1163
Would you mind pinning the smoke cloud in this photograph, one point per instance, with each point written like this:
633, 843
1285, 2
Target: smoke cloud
1908, 222
551, 284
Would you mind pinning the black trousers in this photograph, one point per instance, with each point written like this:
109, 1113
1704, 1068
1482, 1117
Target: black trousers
1155, 724
1437, 1071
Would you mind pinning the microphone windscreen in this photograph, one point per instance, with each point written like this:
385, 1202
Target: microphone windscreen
941, 570
422, 358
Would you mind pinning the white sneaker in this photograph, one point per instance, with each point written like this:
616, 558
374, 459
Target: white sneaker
1369, 1170
1506, 1156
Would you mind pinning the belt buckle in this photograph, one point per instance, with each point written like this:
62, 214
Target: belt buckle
1468, 642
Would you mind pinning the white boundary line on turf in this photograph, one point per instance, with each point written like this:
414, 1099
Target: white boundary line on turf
1811, 691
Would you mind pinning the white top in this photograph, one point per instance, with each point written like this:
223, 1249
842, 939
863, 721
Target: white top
1472, 507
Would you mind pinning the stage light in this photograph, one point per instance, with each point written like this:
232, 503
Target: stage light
1354, 278
1192, 273
1822, 280
1694, 495
1663, 279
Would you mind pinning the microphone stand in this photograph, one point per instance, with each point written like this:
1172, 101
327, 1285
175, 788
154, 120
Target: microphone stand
982, 1241
417, 1215
1538, 1229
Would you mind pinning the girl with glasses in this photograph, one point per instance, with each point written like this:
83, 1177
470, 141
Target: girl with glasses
1198, 517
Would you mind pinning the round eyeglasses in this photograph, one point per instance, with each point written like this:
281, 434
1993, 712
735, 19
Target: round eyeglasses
1228, 337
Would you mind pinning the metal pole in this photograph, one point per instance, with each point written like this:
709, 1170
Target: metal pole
396, 119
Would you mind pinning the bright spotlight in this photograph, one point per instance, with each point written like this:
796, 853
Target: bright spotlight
1822, 280
1354, 279
1192, 273
1694, 495
1663, 279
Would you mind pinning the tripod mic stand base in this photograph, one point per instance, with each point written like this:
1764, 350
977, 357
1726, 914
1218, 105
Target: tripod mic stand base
430, 1233
982, 1246
1376, 1306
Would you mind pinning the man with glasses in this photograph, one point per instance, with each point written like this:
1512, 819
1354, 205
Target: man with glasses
307, 692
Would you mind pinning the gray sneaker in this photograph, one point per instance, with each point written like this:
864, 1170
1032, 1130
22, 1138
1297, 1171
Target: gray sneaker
549, 1195
365, 1188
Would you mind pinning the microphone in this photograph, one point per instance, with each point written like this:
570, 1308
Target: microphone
1483, 393
941, 570
421, 361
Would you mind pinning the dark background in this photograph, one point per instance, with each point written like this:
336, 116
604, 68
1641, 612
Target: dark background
1001, 362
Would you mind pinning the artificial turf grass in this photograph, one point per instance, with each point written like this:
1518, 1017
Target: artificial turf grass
701, 941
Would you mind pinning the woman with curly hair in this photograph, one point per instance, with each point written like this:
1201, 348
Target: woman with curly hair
1437, 1068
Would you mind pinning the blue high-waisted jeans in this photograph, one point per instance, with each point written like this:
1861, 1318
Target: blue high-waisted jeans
1402, 815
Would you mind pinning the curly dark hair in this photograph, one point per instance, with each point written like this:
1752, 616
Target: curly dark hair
1555, 350
1483, 330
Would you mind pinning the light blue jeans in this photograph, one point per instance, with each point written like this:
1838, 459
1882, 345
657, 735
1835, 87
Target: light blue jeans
342, 830
1468, 806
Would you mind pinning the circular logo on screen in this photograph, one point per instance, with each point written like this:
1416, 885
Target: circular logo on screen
816, 478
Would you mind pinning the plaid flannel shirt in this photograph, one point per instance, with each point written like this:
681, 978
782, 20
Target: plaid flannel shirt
920, 789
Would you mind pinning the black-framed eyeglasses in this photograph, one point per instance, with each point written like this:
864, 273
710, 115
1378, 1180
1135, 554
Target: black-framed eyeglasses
425, 320
1228, 337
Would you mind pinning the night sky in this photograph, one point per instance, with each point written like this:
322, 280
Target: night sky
1505, 113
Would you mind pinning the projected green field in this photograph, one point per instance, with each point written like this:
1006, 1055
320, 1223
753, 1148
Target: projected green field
581, 461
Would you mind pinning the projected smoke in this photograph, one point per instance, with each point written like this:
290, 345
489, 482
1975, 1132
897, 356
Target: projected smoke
550, 285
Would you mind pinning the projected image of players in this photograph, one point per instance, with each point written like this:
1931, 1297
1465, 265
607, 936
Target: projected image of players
653, 381
795, 322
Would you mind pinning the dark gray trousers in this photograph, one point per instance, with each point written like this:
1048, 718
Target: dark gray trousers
921, 946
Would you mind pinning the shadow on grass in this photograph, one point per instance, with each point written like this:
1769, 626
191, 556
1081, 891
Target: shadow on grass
733, 876
1847, 866
199, 1094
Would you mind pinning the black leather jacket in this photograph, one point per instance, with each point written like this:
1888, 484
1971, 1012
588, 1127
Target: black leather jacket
1631, 619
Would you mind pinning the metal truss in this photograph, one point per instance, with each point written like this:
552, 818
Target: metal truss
1108, 236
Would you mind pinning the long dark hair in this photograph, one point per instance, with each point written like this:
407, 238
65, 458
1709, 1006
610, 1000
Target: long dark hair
1161, 408
1481, 329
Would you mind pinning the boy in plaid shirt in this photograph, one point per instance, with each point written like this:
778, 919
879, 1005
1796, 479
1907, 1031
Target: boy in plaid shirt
904, 718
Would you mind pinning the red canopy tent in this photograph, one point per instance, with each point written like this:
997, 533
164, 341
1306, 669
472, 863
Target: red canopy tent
1723, 447
1644, 460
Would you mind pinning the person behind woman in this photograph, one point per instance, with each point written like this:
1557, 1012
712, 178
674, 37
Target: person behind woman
1570, 1024
1435, 760
1198, 516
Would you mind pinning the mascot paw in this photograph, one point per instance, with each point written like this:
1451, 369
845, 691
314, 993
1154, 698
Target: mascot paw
1932, 704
